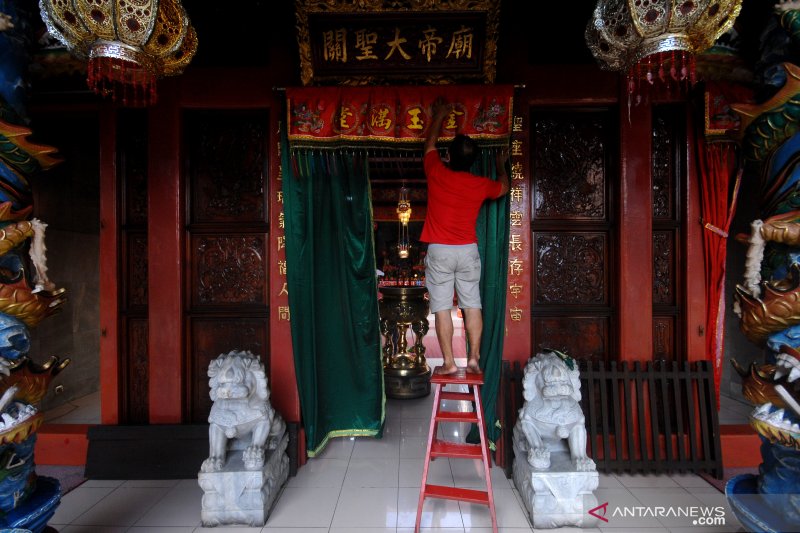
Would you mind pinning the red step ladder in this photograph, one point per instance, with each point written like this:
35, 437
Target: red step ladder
441, 448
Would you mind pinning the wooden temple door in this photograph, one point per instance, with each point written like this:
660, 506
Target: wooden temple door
609, 235
225, 171
224, 196
192, 262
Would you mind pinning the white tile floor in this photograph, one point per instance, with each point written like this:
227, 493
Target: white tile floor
365, 485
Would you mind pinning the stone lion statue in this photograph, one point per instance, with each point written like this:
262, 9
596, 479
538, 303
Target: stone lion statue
241, 408
552, 413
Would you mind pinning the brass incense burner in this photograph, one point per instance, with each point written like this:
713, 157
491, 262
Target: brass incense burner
406, 373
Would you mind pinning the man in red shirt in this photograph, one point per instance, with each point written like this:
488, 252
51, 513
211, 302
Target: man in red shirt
455, 196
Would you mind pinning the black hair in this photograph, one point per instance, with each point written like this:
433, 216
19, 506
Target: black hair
463, 151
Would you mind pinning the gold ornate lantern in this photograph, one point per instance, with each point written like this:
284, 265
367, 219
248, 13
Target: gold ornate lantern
129, 43
655, 41
403, 216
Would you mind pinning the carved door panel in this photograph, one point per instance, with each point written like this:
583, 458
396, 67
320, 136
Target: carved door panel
132, 171
668, 160
572, 209
226, 265
575, 183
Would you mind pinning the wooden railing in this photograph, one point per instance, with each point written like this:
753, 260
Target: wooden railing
653, 418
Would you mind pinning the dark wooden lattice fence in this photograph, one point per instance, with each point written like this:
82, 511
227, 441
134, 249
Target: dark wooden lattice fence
642, 418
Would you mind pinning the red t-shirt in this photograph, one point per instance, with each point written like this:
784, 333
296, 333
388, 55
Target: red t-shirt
454, 200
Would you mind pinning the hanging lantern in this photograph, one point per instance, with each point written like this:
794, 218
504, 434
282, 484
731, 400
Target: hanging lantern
129, 43
403, 215
655, 41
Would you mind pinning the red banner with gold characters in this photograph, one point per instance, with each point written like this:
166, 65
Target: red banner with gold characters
320, 115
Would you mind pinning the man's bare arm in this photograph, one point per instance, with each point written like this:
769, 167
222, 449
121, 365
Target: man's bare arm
440, 111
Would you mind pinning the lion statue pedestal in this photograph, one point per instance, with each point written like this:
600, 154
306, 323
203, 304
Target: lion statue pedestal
247, 464
553, 474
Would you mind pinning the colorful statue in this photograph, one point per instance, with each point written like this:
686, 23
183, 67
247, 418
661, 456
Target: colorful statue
768, 302
26, 297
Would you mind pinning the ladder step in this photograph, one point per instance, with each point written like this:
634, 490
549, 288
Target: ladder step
453, 395
455, 493
456, 416
443, 448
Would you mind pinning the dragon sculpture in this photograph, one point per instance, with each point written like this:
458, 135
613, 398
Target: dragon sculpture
768, 301
27, 296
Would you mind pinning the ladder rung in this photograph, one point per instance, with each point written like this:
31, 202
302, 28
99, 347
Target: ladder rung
457, 416
456, 493
443, 448
453, 395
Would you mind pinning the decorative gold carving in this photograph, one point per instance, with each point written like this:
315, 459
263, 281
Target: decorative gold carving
778, 309
366, 41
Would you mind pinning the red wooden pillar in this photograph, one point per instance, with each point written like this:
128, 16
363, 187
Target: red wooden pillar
517, 344
695, 280
109, 271
283, 381
635, 212
517, 341
165, 254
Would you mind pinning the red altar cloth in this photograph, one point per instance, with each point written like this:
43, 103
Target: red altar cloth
363, 115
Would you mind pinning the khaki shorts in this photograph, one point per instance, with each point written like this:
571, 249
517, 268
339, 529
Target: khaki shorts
448, 266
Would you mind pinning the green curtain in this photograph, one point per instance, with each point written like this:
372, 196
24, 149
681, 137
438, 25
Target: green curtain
493, 235
333, 299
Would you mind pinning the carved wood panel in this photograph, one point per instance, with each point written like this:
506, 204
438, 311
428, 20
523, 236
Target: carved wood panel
664, 338
569, 166
570, 268
132, 166
229, 270
663, 268
132, 152
668, 161
136, 271
137, 372
227, 165
573, 182
663, 162
211, 337
580, 337
227, 189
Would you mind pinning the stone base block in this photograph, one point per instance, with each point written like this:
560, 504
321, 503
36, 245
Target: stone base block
235, 495
558, 497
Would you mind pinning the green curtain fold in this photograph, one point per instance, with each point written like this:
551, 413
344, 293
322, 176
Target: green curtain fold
493, 235
333, 299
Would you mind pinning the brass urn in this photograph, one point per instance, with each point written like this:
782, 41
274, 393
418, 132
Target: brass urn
406, 373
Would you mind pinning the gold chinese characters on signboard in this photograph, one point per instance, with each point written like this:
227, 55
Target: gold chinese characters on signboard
420, 41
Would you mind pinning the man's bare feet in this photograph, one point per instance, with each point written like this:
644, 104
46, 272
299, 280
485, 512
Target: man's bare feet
445, 370
472, 366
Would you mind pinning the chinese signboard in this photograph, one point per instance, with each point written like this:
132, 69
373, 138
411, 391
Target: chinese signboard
353, 45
